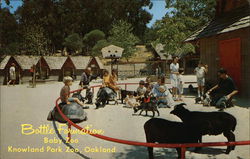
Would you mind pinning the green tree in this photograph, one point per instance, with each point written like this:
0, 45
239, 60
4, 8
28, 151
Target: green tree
122, 35
90, 39
150, 35
96, 51
61, 18
183, 19
73, 42
9, 37
35, 41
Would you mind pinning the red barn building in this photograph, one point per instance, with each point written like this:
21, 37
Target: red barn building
225, 42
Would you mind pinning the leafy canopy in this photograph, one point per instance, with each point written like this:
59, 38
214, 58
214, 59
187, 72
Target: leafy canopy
182, 20
121, 35
61, 18
73, 42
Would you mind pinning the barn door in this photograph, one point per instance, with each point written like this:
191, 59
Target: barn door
230, 58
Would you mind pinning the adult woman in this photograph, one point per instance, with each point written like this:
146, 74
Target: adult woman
161, 92
106, 92
105, 79
174, 71
113, 80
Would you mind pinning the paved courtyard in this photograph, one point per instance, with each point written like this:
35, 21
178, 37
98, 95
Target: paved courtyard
23, 107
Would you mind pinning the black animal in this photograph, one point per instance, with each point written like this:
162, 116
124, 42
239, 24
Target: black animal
164, 131
148, 103
124, 94
221, 122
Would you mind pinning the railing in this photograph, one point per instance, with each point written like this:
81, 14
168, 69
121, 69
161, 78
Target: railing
136, 143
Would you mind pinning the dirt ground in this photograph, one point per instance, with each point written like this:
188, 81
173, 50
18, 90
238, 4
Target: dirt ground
23, 105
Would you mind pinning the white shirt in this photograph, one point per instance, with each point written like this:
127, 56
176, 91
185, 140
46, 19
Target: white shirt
200, 72
174, 68
12, 70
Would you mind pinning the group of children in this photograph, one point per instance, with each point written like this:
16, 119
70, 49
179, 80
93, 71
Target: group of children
158, 90
146, 88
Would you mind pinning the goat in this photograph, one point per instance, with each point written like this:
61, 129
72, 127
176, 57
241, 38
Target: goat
148, 103
164, 131
221, 122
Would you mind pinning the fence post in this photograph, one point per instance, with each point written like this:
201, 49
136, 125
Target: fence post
183, 151
34, 77
125, 87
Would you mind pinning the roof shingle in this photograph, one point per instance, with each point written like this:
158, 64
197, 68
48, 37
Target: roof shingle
233, 20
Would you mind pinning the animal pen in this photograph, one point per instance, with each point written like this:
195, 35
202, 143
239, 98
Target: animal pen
136, 143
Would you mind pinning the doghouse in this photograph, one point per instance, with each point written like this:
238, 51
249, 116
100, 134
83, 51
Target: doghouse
96, 65
5, 67
42, 67
159, 61
56, 64
68, 69
83, 62
225, 42
26, 62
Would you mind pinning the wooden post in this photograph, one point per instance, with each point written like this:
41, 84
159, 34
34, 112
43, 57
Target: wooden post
183, 151
62, 73
40, 68
111, 64
34, 77
19, 77
117, 71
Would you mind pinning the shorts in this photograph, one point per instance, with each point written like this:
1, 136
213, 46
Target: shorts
201, 81
173, 82
71, 99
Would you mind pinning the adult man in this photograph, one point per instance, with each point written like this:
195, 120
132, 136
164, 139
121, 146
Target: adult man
84, 83
161, 92
223, 92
